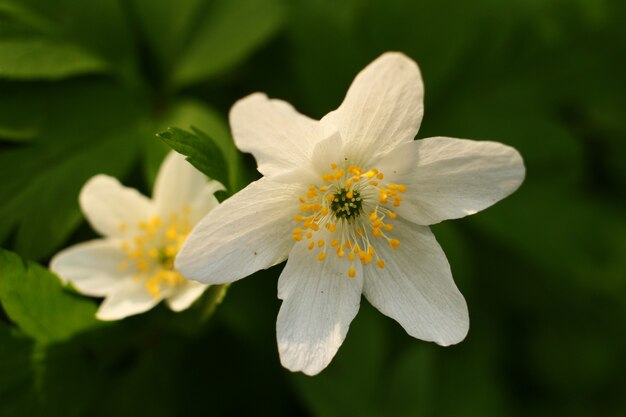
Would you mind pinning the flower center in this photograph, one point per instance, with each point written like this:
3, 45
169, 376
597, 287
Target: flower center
152, 250
347, 204
353, 205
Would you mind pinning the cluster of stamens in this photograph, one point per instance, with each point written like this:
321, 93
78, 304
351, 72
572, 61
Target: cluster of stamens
352, 204
152, 249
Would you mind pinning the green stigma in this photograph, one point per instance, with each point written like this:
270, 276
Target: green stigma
347, 204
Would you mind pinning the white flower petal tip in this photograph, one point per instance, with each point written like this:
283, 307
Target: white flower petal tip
382, 109
454, 178
416, 288
348, 200
280, 138
132, 267
319, 302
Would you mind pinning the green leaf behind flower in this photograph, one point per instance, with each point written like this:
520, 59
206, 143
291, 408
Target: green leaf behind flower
35, 300
200, 150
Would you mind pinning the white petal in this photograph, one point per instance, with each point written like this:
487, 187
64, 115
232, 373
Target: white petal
129, 299
251, 230
416, 288
319, 303
382, 109
457, 177
184, 296
179, 185
92, 267
279, 137
112, 208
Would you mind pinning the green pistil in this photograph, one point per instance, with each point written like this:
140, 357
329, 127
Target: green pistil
346, 208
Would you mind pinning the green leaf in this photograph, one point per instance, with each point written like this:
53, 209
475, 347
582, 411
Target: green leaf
229, 32
35, 300
45, 59
16, 373
185, 114
68, 37
200, 151
84, 128
166, 27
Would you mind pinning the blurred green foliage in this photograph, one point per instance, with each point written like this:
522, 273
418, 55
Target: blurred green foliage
86, 85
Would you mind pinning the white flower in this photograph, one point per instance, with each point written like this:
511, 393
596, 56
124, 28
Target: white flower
133, 265
348, 199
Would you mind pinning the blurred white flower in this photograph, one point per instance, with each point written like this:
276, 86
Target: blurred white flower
132, 267
348, 199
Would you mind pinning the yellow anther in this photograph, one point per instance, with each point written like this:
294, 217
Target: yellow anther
374, 183
394, 243
348, 183
170, 251
348, 244
328, 177
330, 197
396, 203
153, 253
380, 176
370, 174
333, 166
305, 207
315, 207
377, 222
156, 221
331, 227
297, 236
297, 230
301, 199
402, 188
320, 243
143, 265
388, 227
350, 194
351, 272
298, 218
311, 245
371, 251
392, 215
340, 251
380, 263
321, 256
339, 173
309, 235
373, 215
315, 226
351, 256
377, 232
171, 233
323, 188
334, 243
324, 210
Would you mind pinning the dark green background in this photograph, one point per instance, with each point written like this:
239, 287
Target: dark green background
85, 85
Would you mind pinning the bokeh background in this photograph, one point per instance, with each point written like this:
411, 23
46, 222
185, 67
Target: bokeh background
85, 85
